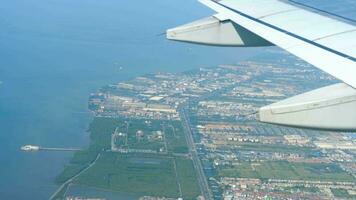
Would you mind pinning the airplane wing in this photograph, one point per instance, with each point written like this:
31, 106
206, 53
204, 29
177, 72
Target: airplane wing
322, 39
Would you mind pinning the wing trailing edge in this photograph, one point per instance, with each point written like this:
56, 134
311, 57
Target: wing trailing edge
216, 31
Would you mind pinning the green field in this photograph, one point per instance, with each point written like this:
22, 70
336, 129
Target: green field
100, 137
175, 137
148, 138
286, 170
187, 178
144, 174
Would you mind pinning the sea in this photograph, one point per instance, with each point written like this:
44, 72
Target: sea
54, 53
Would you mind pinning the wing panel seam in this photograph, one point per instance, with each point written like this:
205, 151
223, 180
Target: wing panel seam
335, 34
288, 33
280, 12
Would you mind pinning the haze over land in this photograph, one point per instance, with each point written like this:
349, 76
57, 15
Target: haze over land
147, 127
54, 53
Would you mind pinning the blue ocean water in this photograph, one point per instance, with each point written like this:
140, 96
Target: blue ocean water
54, 53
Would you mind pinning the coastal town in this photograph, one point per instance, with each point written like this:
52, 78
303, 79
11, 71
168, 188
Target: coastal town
206, 119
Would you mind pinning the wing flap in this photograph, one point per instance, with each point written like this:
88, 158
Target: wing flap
330, 108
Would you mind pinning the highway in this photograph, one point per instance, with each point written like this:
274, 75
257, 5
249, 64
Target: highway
203, 183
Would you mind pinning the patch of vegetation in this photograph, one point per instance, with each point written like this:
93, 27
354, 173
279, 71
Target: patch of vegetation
342, 193
100, 134
187, 178
302, 188
143, 134
68, 172
175, 137
144, 174
152, 135
286, 170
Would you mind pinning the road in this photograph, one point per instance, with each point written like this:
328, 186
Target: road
203, 183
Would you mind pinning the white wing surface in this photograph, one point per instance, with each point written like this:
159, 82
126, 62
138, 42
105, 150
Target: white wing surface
324, 42
323, 39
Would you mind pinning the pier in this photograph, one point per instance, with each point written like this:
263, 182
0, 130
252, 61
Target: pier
38, 148
58, 149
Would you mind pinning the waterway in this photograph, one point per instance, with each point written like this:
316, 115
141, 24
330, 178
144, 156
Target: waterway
54, 53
